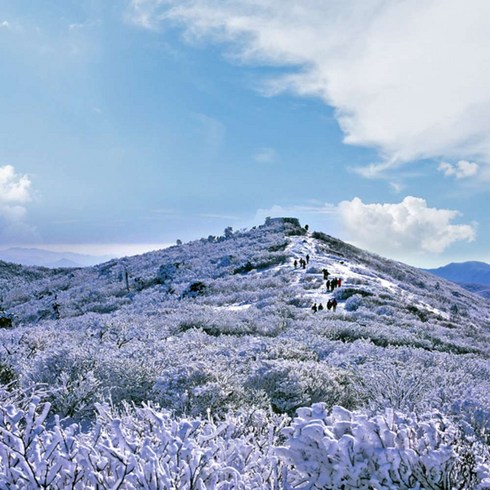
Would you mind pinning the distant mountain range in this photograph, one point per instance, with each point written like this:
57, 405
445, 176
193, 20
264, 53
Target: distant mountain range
47, 258
473, 276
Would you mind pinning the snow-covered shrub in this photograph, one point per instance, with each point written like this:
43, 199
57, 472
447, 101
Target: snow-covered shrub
292, 384
342, 294
189, 389
385, 310
167, 272
343, 449
70, 380
474, 418
133, 449
353, 303
413, 380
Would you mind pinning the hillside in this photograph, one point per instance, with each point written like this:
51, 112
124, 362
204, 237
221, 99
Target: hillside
224, 325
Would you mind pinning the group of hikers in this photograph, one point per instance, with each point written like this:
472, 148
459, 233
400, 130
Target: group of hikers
302, 262
331, 305
331, 284
336, 282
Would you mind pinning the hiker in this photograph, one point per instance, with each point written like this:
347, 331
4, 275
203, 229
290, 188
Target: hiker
335, 282
295, 263
314, 308
328, 285
307, 259
329, 304
334, 304
56, 311
320, 307
307, 227
303, 263
325, 274
339, 282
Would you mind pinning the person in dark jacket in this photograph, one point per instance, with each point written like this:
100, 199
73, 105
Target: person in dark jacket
329, 304
314, 307
334, 304
320, 307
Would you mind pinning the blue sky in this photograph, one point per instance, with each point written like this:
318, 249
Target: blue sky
125, 125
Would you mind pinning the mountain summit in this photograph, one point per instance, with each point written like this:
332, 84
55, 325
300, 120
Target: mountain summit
252, 269
232, 324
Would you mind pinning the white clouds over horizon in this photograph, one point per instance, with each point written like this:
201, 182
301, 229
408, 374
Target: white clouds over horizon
15, 192
409, 230
407, 78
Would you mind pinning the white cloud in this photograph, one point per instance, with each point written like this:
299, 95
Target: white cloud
408, 78
463, 169
265, 155
13, 188
409, 231
404, 229
14, 194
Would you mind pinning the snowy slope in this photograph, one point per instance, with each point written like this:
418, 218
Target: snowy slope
253, 271
225, 324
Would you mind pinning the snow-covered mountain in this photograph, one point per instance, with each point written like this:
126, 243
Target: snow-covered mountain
465, 272
48, 258
223, 328
473, 276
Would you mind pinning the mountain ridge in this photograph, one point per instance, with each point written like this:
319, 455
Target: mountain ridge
473, 276
171, 273
469, 272
220, 333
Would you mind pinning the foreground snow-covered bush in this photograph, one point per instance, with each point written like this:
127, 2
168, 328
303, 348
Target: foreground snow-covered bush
146, 448
149, 448
346, 450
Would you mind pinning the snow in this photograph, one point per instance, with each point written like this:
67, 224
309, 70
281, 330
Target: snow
233, 307
216, 366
